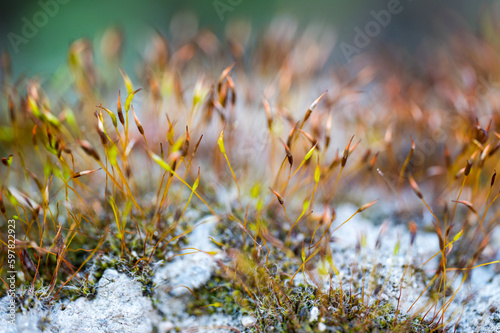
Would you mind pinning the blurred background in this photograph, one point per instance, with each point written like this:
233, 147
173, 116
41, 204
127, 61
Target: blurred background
42, 49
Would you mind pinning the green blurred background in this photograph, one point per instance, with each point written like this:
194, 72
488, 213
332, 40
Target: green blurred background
44, 52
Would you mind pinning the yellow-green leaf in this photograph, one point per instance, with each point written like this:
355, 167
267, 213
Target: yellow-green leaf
178, 144
199, 93
196, 183
112, 154
260, 204
128, 101
52, 119
305, 206
215, 305
11, 198
309, 153
34, 107
457, 236
111, 115
396, 248
254, 192
316, 174
220, 142
161, 162
127, 81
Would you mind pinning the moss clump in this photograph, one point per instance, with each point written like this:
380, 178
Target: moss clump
88, 284
307, 310
140, 271
279, 307
27, 299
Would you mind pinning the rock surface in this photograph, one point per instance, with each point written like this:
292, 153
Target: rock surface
118, 307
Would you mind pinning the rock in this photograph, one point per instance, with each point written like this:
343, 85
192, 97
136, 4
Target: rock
248, 321
314, 314
118, 307
192, 270
165, 326
25, 322
480, 313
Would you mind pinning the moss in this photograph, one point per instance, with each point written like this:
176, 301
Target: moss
218, 296
346, 313
283, 308
28, 298
141, 272
43, 323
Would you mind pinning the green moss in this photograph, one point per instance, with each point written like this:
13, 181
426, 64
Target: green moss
218, 296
